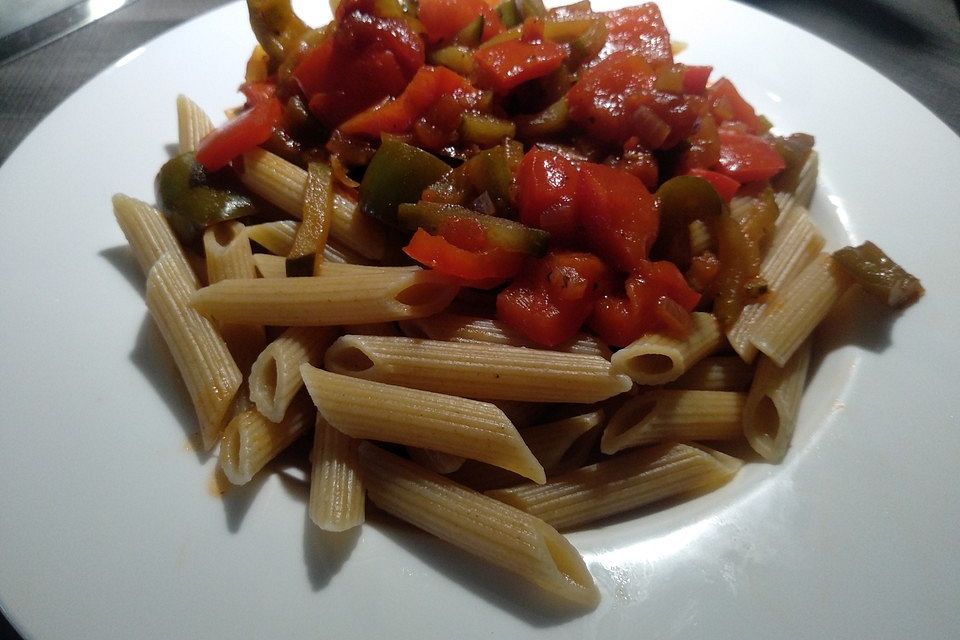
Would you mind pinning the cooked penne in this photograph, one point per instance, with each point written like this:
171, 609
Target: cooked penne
228, 255
276, 237
452, 327
473, 370
203, 359
270, 266
149, 234
498, 533
192, 124
437, 461
795, 311
656, 359
770, 411
283, 184
376, 411
717, 373
380, 295
275, 376
806, 184
796, 242
336, 484
671, 415
251, 440
622, 483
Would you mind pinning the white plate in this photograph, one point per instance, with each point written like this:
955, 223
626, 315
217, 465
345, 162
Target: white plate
108, 528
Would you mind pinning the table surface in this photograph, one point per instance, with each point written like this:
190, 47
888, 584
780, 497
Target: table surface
914, 43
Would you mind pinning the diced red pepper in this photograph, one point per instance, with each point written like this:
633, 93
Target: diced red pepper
398, 115
487, 266
728, 104
638, 30
656, 298
695, 79
726, 186
546, 195
443, 19
553, 297
746, 157
508, 64
619, 216
250, 129
258, 91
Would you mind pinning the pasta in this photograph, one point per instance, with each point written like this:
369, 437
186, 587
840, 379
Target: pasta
556, 307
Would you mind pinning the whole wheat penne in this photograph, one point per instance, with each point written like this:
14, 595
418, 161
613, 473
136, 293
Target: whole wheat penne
149, 234
437, 461
276, 237
716, 373
376, 411
228, 255
796, 242
770, 411
192, 124
203, 359
795, 311
473, 370
622, 483
381, 295
656, 359
251, 440
270, 266
283, 184
496, 532
673, 415
452, 327
275, 376
336, 484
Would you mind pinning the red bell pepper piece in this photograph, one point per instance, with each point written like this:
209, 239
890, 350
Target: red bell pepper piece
746, 157
250, 129
726, 186
508, 64
727, 104
618, 214
484, 267
443, 19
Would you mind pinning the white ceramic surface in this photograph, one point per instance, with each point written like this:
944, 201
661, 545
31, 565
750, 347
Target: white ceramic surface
108, 528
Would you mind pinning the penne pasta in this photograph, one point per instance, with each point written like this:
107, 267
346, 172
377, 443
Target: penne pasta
149, 235
276, 237
283, 184
670, 415
251, 440
458, 426
795, 311
487, 371
192, 124
270, 266
275, 376
203, 359
620, 484
452, 327
496, 532
770, 410
718, 373
796, 242
656, 359
378, 295
437, 461
336, 484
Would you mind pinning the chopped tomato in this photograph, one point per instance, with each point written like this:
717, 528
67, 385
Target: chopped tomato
746, 157
618, 214
443, 19
728, 104
508, 64
616, 99
638, 30
250, 129
487, 266
656, 298
398, 115
726, 186
363, 61
546, 195
258, 91
553, 297
695, 79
